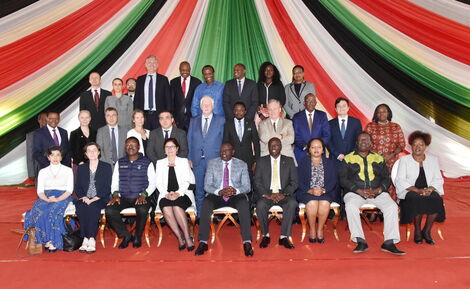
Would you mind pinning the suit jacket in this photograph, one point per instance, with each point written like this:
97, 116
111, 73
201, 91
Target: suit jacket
239, 176
77, 142
249, 97
330, 176
287, 174
276, 91
320, 129
103, 138
294, 102
31, 163
162, 93
337, 144
103, 177
155, 150
87, 102
180, 104
43, 140
284, 127
210, 144
248, 149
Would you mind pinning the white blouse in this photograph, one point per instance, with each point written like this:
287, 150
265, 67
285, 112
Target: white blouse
55, 177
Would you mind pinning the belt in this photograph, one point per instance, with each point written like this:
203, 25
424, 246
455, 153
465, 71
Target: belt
150, 111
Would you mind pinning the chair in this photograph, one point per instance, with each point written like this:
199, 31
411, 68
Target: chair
275, 212
227, 212
333, 206
191, 212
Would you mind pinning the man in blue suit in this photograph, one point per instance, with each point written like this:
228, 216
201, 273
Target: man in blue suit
205, 135
309, 123
50, 135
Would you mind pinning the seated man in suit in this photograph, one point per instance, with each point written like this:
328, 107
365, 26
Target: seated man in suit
93, 100
205, 136
31, 163
226, 184
210, 87
182, 91
365, 178
111, 138
309, 123
240, 89
133, 181
242, 134
51, 135
275, 183
155, 150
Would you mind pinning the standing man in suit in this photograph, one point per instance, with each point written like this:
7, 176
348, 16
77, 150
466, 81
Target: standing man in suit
111, 138
51, 135
226, 184
309, 123
209, 87
205, 136
93, 100
182, 91
130, 87
158, 136
31, 163
242, 134
275, 183
152, 94
240, 89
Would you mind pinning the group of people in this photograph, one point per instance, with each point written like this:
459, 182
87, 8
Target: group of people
241, 144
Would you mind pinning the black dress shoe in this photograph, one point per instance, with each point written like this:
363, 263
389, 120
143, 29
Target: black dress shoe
361, 247
418, 238
137, 243
320, 241
248, 249
182, 247
265, 242
125, 241
190, 248
427, 237
312, 240
391, 248
201, 249
286, 243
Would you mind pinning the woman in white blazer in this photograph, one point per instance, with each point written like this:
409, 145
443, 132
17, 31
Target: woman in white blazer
139, 131
174, 177
419, 185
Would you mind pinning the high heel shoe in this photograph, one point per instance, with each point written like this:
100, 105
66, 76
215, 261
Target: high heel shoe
182, 247
190, 248
320, 240
418, 238
312, 240
427, 238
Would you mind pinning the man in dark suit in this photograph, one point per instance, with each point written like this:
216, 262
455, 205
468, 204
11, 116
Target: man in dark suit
275, 183
240, 89
155, 150
50, 135
182, 91
130, 87
309, 123
93, 100
152, 94
31, 163
242, 134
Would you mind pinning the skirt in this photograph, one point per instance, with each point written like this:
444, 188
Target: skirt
414, 205
183, 202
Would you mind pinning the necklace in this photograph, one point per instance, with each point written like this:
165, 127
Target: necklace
54, 176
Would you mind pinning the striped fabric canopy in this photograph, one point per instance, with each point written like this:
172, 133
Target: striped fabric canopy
412, 55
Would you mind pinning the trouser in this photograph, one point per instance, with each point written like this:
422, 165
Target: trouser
288, 205
199, 174
113, 217
89, 216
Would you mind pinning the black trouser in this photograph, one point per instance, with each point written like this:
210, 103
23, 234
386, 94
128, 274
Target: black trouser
288, 205
113, 217
89, 216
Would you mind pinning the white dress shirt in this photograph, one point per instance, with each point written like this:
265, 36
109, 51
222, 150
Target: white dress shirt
188, 80
146, 91
240, 122
242, 83
55, 177
56, 132
203, 121
307, 115
169, 131
340, 120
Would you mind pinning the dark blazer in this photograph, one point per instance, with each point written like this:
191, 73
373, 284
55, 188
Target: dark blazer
87, 102
43, 140
103, 177
276, 91
337, 144
250, 140
249, 97
155, 150
330, 176
287, 174
162, 93
180, 103
77, 142
209, 144
320, 129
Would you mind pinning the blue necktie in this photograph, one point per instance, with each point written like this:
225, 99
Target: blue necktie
343, 128
150, 93
166, 134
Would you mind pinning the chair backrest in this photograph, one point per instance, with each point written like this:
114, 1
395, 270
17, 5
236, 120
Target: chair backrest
394, 172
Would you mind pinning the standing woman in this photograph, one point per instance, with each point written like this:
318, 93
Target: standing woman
269, 87
122, 103
81, 136
93, 188
296, 91
54, 187
139, 132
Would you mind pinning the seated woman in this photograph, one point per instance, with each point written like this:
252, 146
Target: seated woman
139, 131
173, 179
54, 187
93, 188
317, 187
419, 187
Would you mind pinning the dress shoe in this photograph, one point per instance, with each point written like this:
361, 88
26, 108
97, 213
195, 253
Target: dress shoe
418, 238
137, 243
391, 248
312, 240
125, 241
248, 249
182, 247
190, 248
265, 242
427, 237
201, 248
320, 241
91, 248
286, 243
361, 247
52, 249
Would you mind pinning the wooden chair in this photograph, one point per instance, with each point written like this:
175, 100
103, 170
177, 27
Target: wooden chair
228, 215
333, 206
275, 212
191, 212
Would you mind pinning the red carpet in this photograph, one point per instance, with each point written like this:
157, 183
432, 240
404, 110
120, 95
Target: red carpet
331, 265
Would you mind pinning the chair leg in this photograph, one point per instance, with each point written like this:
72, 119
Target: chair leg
102, 228
146, 230
256, 222
212, 229
116, 238
335, 222
221, 223
439, 232
408, 232
366, 221
192, 224
159, 228
303, 222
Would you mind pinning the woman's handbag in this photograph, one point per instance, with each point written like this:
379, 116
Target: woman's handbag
31, 247
72, 239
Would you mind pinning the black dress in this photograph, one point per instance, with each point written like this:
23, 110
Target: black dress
414, 204
183, 202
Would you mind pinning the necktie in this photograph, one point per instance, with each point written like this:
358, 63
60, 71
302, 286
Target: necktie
310, 122
54, 136
113, 141
274, 126
150, 93
240, 130
343, 128
275, 179
166, 134
239, 87
226, 179
97, 99
183, 87
206, 124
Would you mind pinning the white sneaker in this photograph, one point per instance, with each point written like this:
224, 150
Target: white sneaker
48, 244
91, 246
84, 246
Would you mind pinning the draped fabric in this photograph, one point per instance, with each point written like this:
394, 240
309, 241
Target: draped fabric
449, 9
10, 6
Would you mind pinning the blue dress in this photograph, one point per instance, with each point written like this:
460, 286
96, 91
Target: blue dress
323, 176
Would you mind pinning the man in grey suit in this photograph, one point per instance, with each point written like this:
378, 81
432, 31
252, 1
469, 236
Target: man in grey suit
226, 184
111, 138
155, 150
275, 183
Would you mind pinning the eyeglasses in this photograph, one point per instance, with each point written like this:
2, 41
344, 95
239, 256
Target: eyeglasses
170, 147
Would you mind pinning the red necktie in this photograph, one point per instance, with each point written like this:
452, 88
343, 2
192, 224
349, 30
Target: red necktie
183, 87
97, 99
